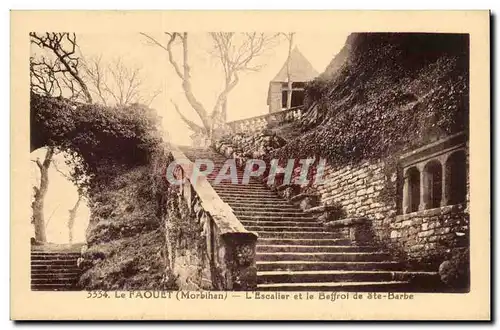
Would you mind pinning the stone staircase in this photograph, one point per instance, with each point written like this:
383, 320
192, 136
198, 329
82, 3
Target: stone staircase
295, 252
54, 269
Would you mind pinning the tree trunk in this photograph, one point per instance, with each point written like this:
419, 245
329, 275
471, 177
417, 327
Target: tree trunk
40, 192
289, 95
289, 78
71, 219
223, 114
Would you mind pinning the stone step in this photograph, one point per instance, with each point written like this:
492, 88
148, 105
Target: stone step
53, 280
285, 229
301, 241
322, 256
45, 260
328, 265
242, 207
251, 183
232, 187
224, 177
244, 193
218, 168
303, 217
50, 267
264, 222
314, 248
294, 251
55, 287
42, 255
228, 184
393, 286
264, 214
67, 262
297, 234
252, 202
240, 189
304, 276
60, 273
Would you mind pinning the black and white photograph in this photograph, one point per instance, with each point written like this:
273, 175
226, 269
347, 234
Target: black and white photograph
221, 165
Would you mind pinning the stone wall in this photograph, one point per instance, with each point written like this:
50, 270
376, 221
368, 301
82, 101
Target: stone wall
431, 235
428, 236
358, 188
371, 191
274, 101
258, 123
187, 249
207, 247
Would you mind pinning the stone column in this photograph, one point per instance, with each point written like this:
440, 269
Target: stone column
406, 193
240, 264
445, 184
187, 192
424, 189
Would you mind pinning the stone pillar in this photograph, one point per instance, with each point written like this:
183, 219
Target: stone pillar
445, 185
406, 193
187, 192
424, 189
240, 261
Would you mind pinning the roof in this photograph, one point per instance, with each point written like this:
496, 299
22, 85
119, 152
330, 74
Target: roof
300, 69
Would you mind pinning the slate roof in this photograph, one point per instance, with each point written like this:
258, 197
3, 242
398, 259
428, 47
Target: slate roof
300, 69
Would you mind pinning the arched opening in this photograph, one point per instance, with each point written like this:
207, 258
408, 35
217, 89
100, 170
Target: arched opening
413, 175
457, 177
434, 177
65, 212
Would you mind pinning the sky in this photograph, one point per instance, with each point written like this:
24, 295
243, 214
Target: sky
247, 99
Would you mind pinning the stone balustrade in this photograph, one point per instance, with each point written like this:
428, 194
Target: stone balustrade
227, 259
259, 122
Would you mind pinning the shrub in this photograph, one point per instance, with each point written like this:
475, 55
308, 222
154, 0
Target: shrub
102, 141
455, 272
394, 91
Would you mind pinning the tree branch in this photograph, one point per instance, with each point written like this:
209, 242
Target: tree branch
193, 126
65, 61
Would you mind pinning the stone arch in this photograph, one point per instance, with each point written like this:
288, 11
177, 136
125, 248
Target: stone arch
456, 177
434, 184
413, 177
103, 142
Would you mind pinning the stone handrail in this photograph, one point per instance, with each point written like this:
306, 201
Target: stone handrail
259, 122
230, 247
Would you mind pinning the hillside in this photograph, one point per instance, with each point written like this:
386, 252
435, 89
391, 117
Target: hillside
385, 92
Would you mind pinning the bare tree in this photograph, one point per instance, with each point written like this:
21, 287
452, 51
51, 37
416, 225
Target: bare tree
289, 37
39, 198
237, 57
72, 217
54, 75
74, 209
234, 59
49, 75
116, 83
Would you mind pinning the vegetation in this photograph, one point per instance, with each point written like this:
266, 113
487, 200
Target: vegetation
117, 152
126, 236
103, 141
393, 92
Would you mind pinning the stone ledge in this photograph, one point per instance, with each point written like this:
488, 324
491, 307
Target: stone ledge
286, 185
221, 213
301, 196
432, 212
347, 222
321, 209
